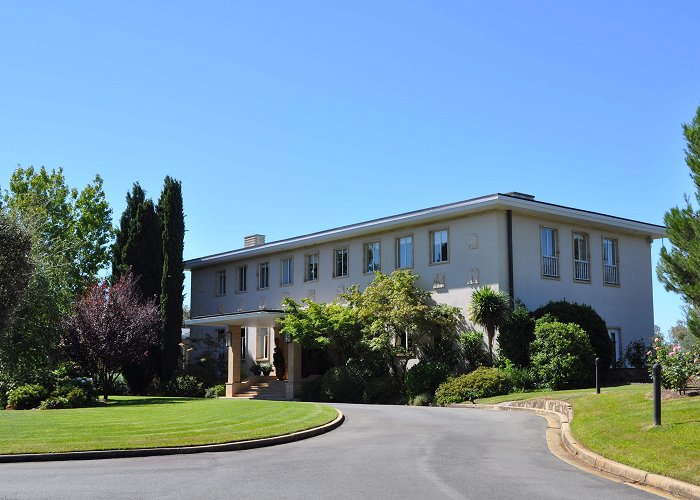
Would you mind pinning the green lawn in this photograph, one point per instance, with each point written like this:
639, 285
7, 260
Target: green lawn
618, 424
146, 422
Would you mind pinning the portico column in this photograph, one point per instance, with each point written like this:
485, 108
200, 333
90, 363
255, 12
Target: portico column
233, 382
293, 371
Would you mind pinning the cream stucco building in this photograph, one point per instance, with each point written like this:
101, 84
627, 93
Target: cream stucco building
533, 250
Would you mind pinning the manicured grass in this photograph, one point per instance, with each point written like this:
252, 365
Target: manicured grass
147, 422
618, 424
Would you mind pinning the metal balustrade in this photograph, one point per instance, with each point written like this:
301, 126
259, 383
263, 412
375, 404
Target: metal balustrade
582, 270
612, 274
550, 266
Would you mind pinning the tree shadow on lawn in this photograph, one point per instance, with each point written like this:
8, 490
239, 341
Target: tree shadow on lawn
146, 401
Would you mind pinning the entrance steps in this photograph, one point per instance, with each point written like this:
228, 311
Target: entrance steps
268, 388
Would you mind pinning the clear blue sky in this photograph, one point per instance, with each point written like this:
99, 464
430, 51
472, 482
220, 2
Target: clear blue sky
289, 117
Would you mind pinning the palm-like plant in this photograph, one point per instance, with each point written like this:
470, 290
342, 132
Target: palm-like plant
489, 308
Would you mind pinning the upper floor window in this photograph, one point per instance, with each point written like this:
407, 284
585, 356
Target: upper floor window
438, 246
582, 258
340, 260
550, 251
311, 271
242, 284
371, 257
611, 264
287, 277
221, 282
263, 275
404, 252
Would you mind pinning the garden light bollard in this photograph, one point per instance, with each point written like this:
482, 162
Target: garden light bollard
597, 375
656, 375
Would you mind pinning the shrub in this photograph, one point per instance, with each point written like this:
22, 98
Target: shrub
474, 349
78, 398
521, 379
311, 388
422, 399
636, 353
342, 385
26, 397
561, 355
515, 336
677, 365
589, 320
186, 386
55, 403
481, 383
119, 386
216, 391
425, 377
381, 390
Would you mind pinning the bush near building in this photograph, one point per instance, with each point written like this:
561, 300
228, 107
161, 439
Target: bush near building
481, 383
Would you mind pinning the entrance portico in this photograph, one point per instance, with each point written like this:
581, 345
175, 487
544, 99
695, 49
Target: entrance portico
264, 318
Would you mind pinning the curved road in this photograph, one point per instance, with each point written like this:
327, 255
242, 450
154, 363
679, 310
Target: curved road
379, 452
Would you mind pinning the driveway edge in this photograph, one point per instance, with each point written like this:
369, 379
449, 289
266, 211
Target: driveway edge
564, 412
177, 450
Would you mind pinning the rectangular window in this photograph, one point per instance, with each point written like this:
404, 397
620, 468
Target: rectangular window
438, 246
221, 282
550, 249
340, 259
311, 273
611, 264
287, 277
263, 275
371, 257
263, 347
404, 252
582, 258
617, 346
242, 284
244, 343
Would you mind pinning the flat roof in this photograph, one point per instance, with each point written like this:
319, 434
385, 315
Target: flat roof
517, 202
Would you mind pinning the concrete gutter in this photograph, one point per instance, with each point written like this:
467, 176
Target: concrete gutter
564, 414
179, 450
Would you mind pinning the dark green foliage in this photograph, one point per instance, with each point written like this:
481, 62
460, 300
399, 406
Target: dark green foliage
55, 403
311, 389
79, 397
217, 391
278, 361
425, 377
489, 308
381, 390
588, 319
636, 353
133, 200
424, 399
15, 267
342, 385
515, 335
185, 386
473, 349
679, 268
172, 221
561, 355
26, 397
481, 383
521, 379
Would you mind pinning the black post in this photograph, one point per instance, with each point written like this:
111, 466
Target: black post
597, 375
656, 375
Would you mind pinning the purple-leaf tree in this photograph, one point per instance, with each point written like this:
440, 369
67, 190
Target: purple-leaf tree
110, 326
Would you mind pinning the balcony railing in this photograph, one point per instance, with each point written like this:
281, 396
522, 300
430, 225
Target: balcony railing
582, 270
612, 274
550, 266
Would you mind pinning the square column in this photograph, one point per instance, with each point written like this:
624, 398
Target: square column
293, 371
233, 382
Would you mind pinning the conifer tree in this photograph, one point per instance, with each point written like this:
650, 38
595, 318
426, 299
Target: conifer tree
133, 200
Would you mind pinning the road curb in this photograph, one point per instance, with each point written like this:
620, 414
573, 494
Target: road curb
177, 450
564, 412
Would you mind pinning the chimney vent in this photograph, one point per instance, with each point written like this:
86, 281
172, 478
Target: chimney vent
522, 196
254, 240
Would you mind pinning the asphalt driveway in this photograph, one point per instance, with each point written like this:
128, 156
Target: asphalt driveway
379, 452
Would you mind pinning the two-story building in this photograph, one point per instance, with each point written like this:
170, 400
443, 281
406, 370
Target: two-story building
535, 251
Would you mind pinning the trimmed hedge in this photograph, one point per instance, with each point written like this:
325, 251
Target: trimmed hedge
481, 383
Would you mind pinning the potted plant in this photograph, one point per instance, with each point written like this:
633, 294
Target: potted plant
256, 369
265, 368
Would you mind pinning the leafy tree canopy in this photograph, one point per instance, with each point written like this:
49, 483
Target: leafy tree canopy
15, 266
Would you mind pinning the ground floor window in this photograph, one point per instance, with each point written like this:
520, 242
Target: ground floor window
244, 344
616, 346
263, 347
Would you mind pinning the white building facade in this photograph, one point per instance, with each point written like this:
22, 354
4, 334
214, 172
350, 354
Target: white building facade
535, 251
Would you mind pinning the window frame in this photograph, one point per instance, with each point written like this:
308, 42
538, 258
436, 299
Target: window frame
377, 260
306, 267
291, 271
266, 343
346, 253
263, 265
616, 255
555, 251
220, 283
587, 243
244, 282
244, 343
431, 244
397, 251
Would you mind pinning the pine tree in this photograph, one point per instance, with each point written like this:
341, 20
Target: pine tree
679, 268
133, 201
172, 219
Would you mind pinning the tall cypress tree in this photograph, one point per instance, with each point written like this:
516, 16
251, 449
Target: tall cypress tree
133, 200
172, 220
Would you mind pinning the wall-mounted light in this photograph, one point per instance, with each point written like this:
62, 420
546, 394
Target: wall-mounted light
228, 339
287, 338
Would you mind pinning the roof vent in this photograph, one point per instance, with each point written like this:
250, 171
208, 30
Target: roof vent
254, 240
522, 196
